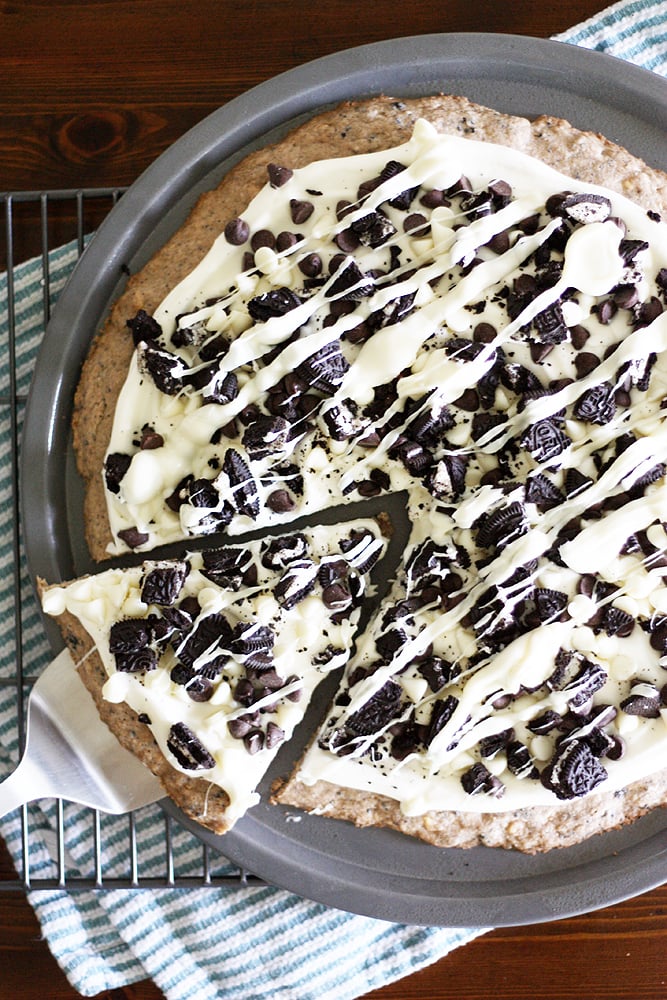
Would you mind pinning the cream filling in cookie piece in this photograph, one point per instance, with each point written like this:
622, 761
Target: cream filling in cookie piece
446, 267
221, 706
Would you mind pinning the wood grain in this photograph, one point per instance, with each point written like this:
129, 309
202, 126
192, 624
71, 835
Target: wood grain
90, 94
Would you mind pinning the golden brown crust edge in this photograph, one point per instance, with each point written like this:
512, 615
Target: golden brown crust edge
352, 127
531, 831
199, 799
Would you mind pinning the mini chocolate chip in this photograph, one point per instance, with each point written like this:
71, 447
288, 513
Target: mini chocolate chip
254, 741
263, 238
278, 175
240, 726
150, 439
469, 401
578, 336
274, 735
199, 689
280, 501
347, 241
300, 211
484, 333
311, 265
237, 232
286, 240
417, 224
433, 198
367, 488
132, 537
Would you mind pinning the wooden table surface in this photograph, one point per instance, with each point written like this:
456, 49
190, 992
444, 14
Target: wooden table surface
90, 94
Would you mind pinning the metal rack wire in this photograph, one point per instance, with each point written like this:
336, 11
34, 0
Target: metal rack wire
35, 223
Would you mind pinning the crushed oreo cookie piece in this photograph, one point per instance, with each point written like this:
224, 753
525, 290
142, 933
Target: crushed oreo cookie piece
115, 467
437, 671
249, 638
276, 302
242, 482
586, 207
375, 715
229, 567
549, 326
281, 552
266, 435
167, 370
188, 749
163, 583
325, 369
374, 229
519, 761
502, 526
137, 660
129, 635
574, 771
643, 700
296, 583
545, 440
210, 637
550, 604
145, 328
446, 481
597, 404
478, 779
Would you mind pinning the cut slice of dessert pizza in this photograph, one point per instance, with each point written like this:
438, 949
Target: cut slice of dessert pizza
512, 689
345, 332
203, 666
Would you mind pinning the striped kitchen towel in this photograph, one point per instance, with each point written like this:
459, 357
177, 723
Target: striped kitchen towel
245, 942
635, 31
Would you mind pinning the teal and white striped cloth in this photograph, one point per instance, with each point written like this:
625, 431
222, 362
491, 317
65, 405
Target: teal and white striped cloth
238, 942
634, 30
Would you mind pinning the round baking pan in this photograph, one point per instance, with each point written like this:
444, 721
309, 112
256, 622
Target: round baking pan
374, 872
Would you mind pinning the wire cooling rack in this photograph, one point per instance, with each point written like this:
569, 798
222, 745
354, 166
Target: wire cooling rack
35, 224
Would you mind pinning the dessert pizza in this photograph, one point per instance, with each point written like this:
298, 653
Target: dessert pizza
436, 300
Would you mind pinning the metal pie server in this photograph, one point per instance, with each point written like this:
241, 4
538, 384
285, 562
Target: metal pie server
71, 754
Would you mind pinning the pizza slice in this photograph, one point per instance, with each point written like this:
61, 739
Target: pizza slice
203, 666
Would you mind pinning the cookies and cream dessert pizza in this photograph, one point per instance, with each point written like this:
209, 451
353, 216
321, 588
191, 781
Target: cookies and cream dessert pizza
466, 311
203, 666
